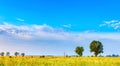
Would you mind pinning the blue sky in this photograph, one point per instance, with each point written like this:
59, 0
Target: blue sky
70, 23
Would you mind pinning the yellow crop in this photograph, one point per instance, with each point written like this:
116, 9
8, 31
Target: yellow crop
60, 61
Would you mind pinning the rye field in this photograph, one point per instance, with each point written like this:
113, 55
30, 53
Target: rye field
60, 61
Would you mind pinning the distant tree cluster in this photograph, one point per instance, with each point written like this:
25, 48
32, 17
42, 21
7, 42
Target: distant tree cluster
16, 54
95, 46
113, 55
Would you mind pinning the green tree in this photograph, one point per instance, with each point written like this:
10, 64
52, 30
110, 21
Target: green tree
79, 50
2, 53
96, 47
22, 54
7, 53
16, 53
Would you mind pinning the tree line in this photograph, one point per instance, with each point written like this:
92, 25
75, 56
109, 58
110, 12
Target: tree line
95, 46
8, 54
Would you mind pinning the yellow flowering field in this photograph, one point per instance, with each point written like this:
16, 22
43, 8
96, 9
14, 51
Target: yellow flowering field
60, 61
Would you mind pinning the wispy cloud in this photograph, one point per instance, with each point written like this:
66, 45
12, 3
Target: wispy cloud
67, 25
115, 24
21, 20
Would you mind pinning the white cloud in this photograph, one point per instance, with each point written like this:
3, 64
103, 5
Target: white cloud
115, 24
67, 25
19, 19
32, 31
47, 32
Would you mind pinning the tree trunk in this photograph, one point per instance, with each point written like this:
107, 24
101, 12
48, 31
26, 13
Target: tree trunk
96, 54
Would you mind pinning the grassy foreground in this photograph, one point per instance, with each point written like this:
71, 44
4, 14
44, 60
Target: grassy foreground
60, 61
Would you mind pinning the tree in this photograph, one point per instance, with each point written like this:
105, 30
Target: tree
16, 53
79, 50
22, 54
96, 47
7, 53
2, 53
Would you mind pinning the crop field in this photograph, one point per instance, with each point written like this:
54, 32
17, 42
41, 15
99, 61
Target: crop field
60, 61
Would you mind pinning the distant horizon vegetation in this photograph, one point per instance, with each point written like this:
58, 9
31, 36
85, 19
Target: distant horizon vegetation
95, 46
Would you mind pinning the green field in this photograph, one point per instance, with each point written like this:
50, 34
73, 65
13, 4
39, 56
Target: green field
60, 61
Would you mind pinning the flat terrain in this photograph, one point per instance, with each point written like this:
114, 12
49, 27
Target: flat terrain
59, 61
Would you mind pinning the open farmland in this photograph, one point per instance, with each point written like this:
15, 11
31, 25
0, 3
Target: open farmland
60, 61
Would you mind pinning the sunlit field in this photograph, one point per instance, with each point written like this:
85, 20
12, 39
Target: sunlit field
60, 61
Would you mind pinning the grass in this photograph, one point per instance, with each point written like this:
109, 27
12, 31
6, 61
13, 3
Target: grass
60, 61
